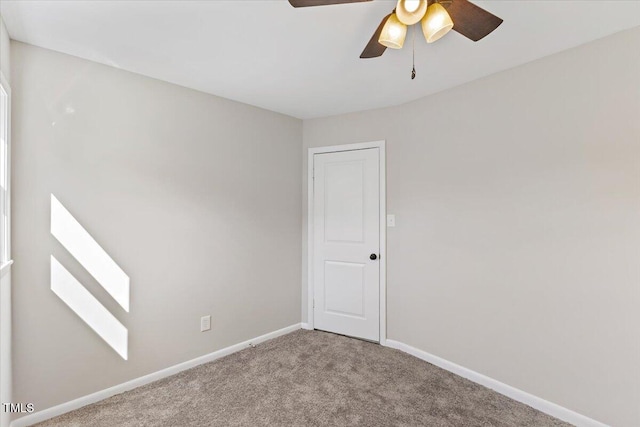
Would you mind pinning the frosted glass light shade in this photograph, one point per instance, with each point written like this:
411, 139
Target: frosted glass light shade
393, 33
436, 22
411, 11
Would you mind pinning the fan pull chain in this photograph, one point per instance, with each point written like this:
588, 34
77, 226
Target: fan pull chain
413, 47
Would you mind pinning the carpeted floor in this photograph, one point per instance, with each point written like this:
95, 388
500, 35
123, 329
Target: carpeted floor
310, 378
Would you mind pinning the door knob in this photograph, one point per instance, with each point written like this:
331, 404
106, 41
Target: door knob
373, 257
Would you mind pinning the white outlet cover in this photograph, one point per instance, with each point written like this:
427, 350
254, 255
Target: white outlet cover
391, 220
205, 323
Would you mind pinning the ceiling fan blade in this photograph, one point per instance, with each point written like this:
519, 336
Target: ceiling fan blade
373, 48
306, 3
470, 20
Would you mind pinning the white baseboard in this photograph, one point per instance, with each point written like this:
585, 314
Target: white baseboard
306, 326
63, 408
535, 402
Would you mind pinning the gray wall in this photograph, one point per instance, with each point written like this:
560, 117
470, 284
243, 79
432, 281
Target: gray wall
517, 199
195, 197
5, 50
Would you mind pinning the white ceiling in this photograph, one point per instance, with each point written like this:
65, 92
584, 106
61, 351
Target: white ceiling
302, 62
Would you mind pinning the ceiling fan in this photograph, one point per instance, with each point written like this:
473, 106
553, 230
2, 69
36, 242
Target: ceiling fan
437, 17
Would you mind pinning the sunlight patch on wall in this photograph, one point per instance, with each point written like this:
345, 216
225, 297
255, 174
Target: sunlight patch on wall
88, 252
85, 305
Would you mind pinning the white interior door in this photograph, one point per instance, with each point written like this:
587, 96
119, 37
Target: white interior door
346, 243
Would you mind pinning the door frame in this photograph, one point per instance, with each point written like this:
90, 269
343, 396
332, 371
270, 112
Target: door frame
5, 281
381, 145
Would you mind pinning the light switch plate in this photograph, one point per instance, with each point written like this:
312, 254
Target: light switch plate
391, 220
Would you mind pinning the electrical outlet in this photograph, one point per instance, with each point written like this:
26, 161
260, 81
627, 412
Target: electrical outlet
391, 220
205, 323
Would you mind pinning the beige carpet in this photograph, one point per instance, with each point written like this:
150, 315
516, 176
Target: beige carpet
310, 378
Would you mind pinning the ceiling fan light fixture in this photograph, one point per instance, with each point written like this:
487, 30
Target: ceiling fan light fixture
411, 11
436, 22
393, 33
